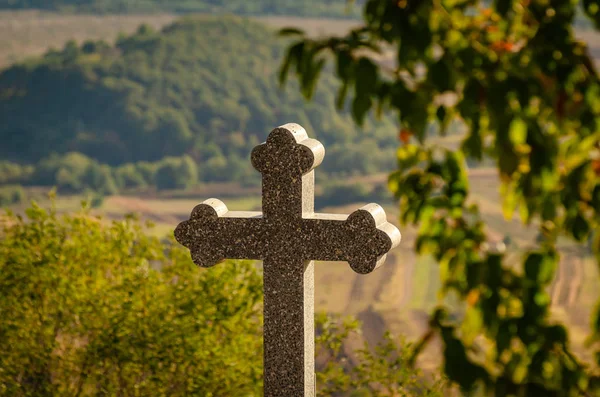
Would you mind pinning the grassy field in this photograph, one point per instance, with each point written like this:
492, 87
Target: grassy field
29, 33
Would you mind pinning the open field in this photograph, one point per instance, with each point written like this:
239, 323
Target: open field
29, 33
398, 296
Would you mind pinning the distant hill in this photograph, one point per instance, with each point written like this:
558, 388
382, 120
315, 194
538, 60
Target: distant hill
322, 8
204, 87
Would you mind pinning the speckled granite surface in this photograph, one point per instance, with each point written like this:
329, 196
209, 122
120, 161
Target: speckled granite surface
288, 236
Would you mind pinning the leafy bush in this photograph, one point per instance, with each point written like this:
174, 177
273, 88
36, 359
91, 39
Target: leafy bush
77, 173
100, 179
386, 369
96, 201
129, 176
176, 173
88, 306
14, 173
74, 173
10, 195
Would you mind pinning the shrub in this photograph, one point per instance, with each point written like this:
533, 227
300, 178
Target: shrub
10, 195
100, 179
129, 176
96, 201
88, 306
13, 173
176, 173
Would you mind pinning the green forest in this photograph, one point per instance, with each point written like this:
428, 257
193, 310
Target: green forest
321, 8
169, 109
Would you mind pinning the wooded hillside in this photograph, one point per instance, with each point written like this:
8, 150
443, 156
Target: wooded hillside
204, 88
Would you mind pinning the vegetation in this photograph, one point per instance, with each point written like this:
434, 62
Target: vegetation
89, 307
29, 33
92, 308
180, 95
329, 8
528, 93
382, 370
76, 173
11, 194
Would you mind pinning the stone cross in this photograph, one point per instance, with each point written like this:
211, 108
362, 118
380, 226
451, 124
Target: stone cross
288, 236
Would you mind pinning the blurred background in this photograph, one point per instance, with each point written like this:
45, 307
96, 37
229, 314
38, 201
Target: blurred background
149, 107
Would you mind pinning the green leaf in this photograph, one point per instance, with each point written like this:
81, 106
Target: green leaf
548, 208
510, 200
344, 65
340, 98
517, 131
580, 228
503, 6
503, 338
440, 114
294, 56
408, 156
540, 267
524, 212
367, 83
311, 77
595, 202
557, 334
440, 74
360, 106
472, 324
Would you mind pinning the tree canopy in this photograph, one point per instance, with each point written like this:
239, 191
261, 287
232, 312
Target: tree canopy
528, 94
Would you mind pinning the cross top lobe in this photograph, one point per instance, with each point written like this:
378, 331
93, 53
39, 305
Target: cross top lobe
288, 226
288, 149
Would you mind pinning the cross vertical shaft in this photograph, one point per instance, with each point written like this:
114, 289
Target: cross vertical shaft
288, 295
289, 328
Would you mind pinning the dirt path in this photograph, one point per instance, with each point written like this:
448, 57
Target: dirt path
565, 289
389, 270
575, 282
369, 289
409, 262
357, 295
558, 285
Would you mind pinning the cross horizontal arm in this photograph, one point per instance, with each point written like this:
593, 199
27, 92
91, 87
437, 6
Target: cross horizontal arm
362, 239
213, 234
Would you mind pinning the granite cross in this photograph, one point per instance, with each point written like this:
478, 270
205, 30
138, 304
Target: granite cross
288, 236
